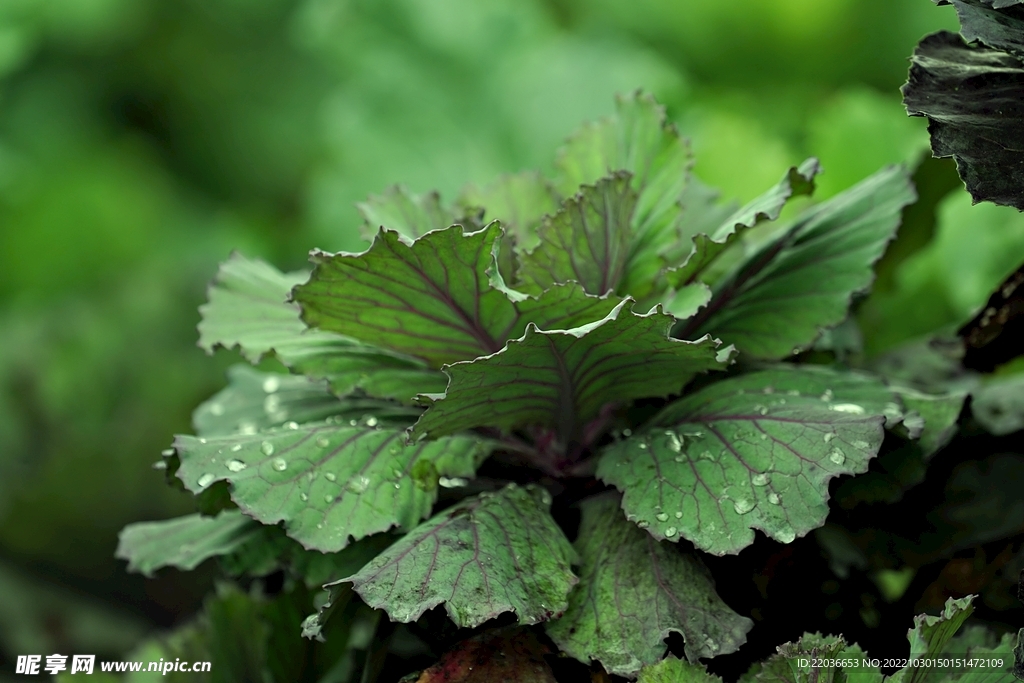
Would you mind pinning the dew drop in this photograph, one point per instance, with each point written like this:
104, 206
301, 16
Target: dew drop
323, 442
711, 645
785, 535
675, 444
303, 497
829, 436
642, 446
330, 476
643, 524
764, 437
167, 451
235, 465
761, 479
216, 409
202, 440
670, 532
319, 525
359, 484
267, 448
394, 450
353, 423
370, 421
398, 484
395, 472
661, 517
773, 498
280, 464
272, 404
271, 384
160, 465
205, 480
627, 432
328, 498
680, 458
837, 456
827, 396
291, 425
708, 455
452, 482
742, 506
863, 445
246, 428
851, 408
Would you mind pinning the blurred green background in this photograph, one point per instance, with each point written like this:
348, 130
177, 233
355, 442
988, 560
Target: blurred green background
142, 140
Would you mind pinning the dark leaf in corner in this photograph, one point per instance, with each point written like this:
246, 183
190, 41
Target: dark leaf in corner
971, 96
996, 335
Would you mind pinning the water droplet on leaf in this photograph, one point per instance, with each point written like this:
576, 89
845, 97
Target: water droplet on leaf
742, 506
761, 479
280, 464
785, 535
661, 517
303, 497
863, 445
670, 532
236, 465
452, 482
837, 456
328, 498
829, 436
359, 484
291, 425
267, 448
323, 442
851, 408
643, 524
773, 498
167, 451
205, 480
271, 384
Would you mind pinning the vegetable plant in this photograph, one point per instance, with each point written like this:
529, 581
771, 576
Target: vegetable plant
520, 424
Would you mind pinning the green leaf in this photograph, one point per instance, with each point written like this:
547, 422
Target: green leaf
327, 482
786, 667
930, 634
637, 139
750, 452
938, 412
673, 670
254, 401
587, 241
433, 298
248, 309
183, 543
799, 180
563, 378
404, 212
634, 592
518, 200
490, 554
970, 96
780, 299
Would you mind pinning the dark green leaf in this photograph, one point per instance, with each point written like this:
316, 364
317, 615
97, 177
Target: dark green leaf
996, 23
248, 309
587, 241
564, 378
930, 634
971, 96
329, 483
780, 299
937, 413
433, 298
634, 592
185, 542
637, 139
706, 247
751, 452
494, 553
787, 667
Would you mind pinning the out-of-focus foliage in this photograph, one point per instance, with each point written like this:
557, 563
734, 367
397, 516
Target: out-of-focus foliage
142, 140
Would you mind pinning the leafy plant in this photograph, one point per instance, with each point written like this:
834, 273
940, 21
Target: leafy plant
547, 405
